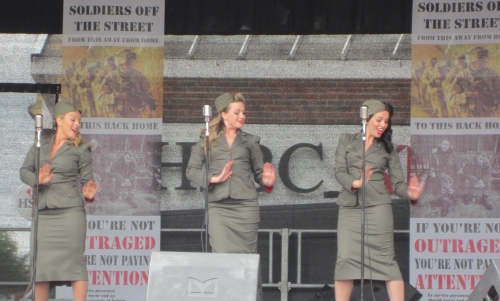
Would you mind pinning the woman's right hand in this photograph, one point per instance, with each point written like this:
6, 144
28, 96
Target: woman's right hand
225, 174
359, 183
45, 174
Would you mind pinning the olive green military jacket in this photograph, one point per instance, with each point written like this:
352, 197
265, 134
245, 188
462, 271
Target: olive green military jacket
67, 163
247, 166
348, 164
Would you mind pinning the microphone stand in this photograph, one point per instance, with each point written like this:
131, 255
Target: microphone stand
38, 144
207, 113
364, 116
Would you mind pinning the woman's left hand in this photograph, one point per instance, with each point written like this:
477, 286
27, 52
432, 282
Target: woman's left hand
268, 175
415, 188
89, 191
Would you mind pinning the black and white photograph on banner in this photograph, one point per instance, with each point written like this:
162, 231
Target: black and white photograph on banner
462, 175
128, 170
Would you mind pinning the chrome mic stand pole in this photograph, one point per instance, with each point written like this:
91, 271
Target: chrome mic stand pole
364, 116
38, 144
207, 113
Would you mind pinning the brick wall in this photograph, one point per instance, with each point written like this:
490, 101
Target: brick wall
287, 101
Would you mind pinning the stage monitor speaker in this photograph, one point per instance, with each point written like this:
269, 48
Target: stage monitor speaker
189, 276
488, 287
380, 291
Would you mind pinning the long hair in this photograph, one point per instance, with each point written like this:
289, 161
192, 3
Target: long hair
216, 126
386, 138
77, 140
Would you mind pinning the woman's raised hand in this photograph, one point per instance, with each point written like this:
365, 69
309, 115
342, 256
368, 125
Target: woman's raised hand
415, 188
45, 174
359, 183
268, 175
89, 191
225, 174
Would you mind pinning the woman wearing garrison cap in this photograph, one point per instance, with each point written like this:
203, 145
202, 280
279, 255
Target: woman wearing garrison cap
380, 155
61, 219
236, 161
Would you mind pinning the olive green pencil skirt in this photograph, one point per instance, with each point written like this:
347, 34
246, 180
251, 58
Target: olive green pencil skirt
380, 261
61, 244
233, 226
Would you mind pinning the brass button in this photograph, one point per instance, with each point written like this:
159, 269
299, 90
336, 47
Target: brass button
228, 153
380, 191
359, 170
69, 194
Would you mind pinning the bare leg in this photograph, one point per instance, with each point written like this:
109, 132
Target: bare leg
80, 290
396, 290
42, 291
343, 290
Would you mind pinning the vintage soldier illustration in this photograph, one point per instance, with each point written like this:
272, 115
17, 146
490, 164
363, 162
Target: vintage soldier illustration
105, 82
483, 84
104, 103
436, 91
469, 88
127, 89
78, 75
429, 73
417, 75
67, 77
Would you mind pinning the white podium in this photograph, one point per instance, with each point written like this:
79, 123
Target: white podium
488, 288
189, 276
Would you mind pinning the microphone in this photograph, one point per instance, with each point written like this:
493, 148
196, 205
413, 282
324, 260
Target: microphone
38, 129
363, 112
207, 113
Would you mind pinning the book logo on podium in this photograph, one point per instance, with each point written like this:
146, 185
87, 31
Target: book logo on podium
199, 288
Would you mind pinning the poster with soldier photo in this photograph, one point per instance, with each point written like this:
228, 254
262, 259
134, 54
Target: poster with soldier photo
128, 170
455, 126
462, 175
112, 70
114, 82
455, 81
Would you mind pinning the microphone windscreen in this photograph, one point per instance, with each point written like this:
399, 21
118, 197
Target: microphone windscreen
207, 111
38, 121
363, 112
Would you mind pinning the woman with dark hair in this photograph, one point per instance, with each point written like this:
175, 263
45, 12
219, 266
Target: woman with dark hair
61, 219
236, 161
380, 155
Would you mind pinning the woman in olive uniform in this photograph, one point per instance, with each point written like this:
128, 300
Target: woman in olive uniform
61, 219
236, 163
380, 156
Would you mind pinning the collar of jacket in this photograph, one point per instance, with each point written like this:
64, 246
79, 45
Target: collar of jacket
241, 137
358, 145
47, 143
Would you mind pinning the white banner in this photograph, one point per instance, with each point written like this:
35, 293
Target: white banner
449, 256
455, 110
453, 22
113, 73
118, 250
113, 23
